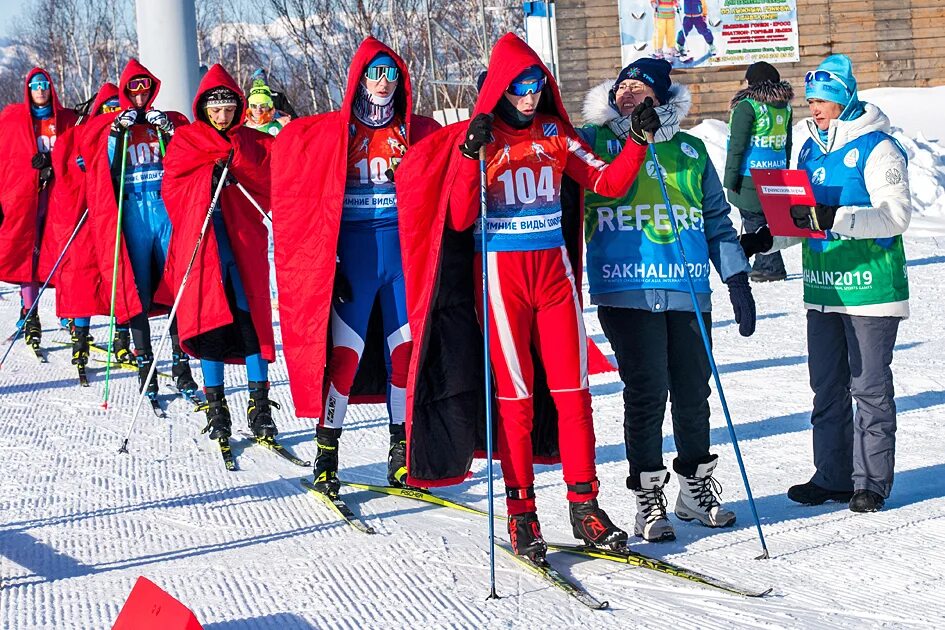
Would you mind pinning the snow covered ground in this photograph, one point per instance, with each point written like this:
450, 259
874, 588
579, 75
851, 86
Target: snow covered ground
79, 523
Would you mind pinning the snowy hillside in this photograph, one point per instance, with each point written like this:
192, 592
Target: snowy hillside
251, 550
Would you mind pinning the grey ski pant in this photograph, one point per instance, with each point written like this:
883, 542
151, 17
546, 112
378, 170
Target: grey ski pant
849, 358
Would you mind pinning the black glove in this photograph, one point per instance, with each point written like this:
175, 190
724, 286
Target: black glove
739, 292
478, 134
217, 174
825, 216
644, 120
41, 160
125, 119
756, 242
45, 176
341, 293
160, 120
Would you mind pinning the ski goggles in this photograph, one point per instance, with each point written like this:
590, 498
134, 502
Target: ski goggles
261, 106
110, 106
528, 86
374, 73
39, 84
139, 84
824, 76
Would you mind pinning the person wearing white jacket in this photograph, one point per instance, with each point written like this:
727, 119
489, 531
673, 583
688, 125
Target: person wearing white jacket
856, 289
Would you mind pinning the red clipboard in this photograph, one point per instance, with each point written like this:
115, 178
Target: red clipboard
778, 190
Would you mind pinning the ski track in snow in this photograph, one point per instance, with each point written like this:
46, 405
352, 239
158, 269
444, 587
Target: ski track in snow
251, 549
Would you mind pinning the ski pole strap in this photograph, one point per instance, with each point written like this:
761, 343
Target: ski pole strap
520, 493
584, 487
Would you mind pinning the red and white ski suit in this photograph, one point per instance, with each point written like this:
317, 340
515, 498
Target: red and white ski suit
533, 295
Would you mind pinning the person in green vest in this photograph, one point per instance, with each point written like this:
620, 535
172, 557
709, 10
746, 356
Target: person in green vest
638, 282
856, 289
759, 137
262, 114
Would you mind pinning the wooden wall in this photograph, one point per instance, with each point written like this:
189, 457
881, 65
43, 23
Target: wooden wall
891, 42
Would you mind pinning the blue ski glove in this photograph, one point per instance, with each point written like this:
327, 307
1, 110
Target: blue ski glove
739, 292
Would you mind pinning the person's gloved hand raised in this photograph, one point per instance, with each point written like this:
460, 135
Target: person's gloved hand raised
125, 119
825, 216
644, 119
160, 120
739, 292
478, 134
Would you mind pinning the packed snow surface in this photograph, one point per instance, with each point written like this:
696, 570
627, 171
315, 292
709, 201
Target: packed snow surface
250, 549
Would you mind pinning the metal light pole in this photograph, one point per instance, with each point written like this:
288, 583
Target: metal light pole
167, 45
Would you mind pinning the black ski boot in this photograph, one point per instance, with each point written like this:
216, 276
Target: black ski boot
218, 413
259, 412
180, 370
326, 462
145, 360
397, 457
121, 346
32, 329
80, 346
591, 524
525, 536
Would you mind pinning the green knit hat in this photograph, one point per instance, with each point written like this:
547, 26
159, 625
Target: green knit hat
260, 94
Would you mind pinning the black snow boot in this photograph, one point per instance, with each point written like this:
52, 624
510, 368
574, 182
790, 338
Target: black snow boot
525, 536
591, 524
32, 328
866, 501
259, 411
326, 462
218, 413
180, 370
397, 457
811, 494
80, 345
145, 359
121, 346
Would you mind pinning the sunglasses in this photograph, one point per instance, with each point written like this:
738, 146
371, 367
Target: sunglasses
259, 106
823, 76
523, 88
375, 73
139, 85
39, 85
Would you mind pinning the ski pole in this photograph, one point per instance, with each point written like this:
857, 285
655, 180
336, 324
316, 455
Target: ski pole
249, 197
29, 314
165, 337
111, 318
708, 345
483, 217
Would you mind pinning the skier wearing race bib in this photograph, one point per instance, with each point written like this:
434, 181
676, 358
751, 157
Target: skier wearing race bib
141, 289
335, 214
225, 312
639, 284
78, 279
29, 131
759, 137
856, 289
534, 313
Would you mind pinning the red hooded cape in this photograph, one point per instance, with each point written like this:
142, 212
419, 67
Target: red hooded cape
187, 192
78, 280
102, 195
19, 183
308, 183
445, 389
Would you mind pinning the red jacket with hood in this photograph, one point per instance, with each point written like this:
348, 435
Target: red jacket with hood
78, 280
445, 387
102, 197
187, 192
19, 183
308, 184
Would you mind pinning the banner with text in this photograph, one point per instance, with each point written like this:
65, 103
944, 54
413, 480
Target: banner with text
696, 33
